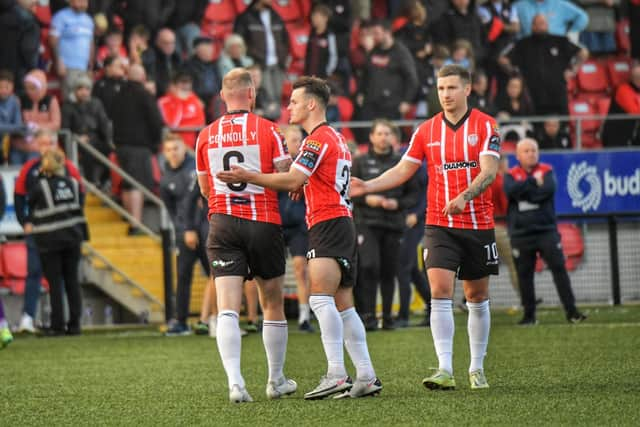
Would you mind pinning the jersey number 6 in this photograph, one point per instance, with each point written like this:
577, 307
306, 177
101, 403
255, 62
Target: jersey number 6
226, 165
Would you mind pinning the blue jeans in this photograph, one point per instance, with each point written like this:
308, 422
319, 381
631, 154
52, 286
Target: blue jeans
34, 277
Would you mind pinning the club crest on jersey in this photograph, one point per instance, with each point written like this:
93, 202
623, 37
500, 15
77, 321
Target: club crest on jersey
314, 145
472, 139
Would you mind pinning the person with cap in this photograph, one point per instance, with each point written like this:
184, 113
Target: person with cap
203, 69
86, 118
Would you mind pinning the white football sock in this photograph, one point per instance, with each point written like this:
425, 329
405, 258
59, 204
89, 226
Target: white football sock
304, 314
478, 326
442, 330
274, 338
355, 339
229, 346
331, 329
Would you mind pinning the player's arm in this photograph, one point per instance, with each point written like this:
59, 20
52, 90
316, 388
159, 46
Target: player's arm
397, 175
489, 165
203, 183
286, 181
283, 165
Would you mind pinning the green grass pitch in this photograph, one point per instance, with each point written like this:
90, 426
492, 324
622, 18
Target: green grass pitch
551, 374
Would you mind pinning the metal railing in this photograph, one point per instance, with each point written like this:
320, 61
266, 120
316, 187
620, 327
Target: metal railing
167, 232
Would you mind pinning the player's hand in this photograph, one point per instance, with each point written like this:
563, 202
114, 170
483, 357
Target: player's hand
28, 228
389, 204
411, 220
357, 187
539, 178
191, 239
374, 200
455, 206
234, 175
296, 195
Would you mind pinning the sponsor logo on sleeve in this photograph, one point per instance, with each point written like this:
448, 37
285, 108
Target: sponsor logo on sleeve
494, 143
312, 145
307, 159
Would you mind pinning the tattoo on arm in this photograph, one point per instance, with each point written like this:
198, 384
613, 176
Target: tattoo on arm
478, 186
283, 165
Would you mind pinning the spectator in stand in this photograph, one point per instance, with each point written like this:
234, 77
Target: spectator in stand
380, 223
110, 84
85, 117
137, 127
233, 55
10, 114
514, 101
530, 187
152, 14
136, 73
440, 55
185, 20
71, 38
181, 108
5, 332
113, 46
564, 17
462, 55
340, 24
265, 106
479, 97
634, 30
620, 133
19, 39
389, 83
39, 111
162, 60
321, 58
502, 25
46, 141
416, 36
599, 34
267, 40
460, 21
203, 69
57, 224
548, 83
358, 56
138, 43
553, 136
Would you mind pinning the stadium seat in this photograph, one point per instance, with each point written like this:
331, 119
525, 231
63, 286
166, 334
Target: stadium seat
289, 10
623, 41
217, 21
14, 266
592, 77
572, 244
589, 127
241, 5
220, 11
306, 7
345, 108
298, 39
618, 69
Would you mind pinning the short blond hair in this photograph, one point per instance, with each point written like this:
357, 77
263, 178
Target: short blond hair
52, 163
237, 78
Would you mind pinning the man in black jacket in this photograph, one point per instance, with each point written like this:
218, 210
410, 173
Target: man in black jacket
108, 86
180, 193
19, 39
137, 128
185, 20
380, 223
203, 69
462, 22
530, 187
162, 60
267, 43
390, 82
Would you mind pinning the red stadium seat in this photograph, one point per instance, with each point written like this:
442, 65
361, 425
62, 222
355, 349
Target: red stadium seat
298, 39
622, 36
602, 105
241, 5
619, 70
579, 108
14, 266
289, 10
220, 11
306, 7
592, 77
572, 245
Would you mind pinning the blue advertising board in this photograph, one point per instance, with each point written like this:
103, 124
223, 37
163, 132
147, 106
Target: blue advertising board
599, 182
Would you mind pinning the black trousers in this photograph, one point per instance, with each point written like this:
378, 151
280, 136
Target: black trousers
186, 260
525, 251
377, 264
408, 271
60, 267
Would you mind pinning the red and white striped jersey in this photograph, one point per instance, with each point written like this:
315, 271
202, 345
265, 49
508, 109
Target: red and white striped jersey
245, 139
325, 158
453, 155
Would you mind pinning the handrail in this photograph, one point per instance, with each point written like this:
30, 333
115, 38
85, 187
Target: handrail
132, 282
116, 207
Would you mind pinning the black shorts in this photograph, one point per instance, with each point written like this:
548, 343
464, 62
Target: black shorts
472, 254
296, 239
240, 247
136, 161
336, 238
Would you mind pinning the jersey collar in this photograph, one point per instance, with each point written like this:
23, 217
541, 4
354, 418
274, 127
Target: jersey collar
237, 112
460, 122
319, 126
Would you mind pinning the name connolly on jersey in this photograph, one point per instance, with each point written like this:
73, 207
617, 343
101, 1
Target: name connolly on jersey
231, 138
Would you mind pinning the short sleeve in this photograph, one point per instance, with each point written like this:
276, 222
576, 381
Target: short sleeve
491, 138
415, 152
311, 154
202, 162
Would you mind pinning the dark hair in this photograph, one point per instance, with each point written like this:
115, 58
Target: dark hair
6, 75
140, 31
455, 70
382, 122
181, 77
322, 8
315, 87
